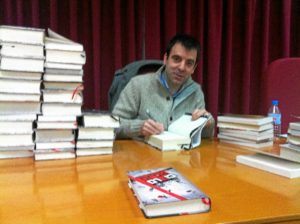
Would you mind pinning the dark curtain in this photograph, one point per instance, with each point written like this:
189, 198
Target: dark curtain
239, 39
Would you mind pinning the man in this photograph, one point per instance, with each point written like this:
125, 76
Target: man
149, 103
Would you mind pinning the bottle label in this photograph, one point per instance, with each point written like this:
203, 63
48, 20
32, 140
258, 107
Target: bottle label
276, 118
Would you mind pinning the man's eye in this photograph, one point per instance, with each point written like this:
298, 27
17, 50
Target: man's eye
176, 59
190, 63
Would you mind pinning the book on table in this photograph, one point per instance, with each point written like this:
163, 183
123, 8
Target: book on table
54, 153
22, 50
248, 141
56, 125
74, 86
16, 136
290, 152
16, 127
22, 97
94, 151
18, 34
55, 145
62, 96
165, 192
87, 143
56, 41
22, 64
63, 56
294, 132
244, 122
11, 74
295, 125
97, 118
246, 127
293, 139
247, 144
248, 135
12, 154
291, 149
54, 135
252, 131
20, 139
56, 65
271, 164
53, 77
20, 86
63, 75
245, 119
61, 109
96, 133
15, 107
57, 118
64, 71
184, 133
18, 117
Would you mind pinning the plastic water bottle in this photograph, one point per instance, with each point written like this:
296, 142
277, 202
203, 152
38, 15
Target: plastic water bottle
275, 113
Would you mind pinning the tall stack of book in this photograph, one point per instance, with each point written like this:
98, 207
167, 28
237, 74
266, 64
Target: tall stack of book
246, 130
61, 98
21, 68
291, 150
96, 133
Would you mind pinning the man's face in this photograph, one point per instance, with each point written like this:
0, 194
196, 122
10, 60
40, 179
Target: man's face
180, 65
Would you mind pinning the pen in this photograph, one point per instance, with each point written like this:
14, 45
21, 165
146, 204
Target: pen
206, 116
149, 115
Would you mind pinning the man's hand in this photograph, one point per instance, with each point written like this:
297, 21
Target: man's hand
151, 127
201, 112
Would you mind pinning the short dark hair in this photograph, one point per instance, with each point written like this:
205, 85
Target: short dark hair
189, 42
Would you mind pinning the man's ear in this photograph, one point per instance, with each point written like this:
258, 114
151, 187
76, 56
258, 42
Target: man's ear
165, 58
195, 66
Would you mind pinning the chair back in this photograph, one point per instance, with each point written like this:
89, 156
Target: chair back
282, 83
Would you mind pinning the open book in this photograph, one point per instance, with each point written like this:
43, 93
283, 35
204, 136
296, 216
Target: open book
184, 133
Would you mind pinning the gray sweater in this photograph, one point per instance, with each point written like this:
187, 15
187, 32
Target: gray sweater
146, 93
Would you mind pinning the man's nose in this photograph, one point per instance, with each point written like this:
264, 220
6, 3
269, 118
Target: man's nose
182, 65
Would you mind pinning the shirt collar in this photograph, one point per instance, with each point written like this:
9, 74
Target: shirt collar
164, 82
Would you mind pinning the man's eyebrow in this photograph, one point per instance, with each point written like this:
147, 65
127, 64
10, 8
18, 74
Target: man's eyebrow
191, 60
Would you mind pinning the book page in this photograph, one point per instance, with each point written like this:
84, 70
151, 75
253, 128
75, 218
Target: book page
168, 136
185, 126
59, 37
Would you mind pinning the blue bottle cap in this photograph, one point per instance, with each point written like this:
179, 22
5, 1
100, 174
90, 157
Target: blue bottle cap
275, 102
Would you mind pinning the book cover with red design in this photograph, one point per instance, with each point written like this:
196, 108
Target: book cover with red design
165, 192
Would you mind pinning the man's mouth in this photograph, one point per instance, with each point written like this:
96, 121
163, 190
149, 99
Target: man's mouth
178, 76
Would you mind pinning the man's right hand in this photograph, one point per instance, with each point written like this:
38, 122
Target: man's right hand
151, 127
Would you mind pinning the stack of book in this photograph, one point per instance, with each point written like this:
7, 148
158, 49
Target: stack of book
246, 130
21, 68
96, 133
291, 150
61, 98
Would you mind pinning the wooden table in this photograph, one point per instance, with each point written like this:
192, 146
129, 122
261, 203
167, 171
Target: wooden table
94, 189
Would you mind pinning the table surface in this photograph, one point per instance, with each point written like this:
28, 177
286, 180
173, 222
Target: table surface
94, 189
